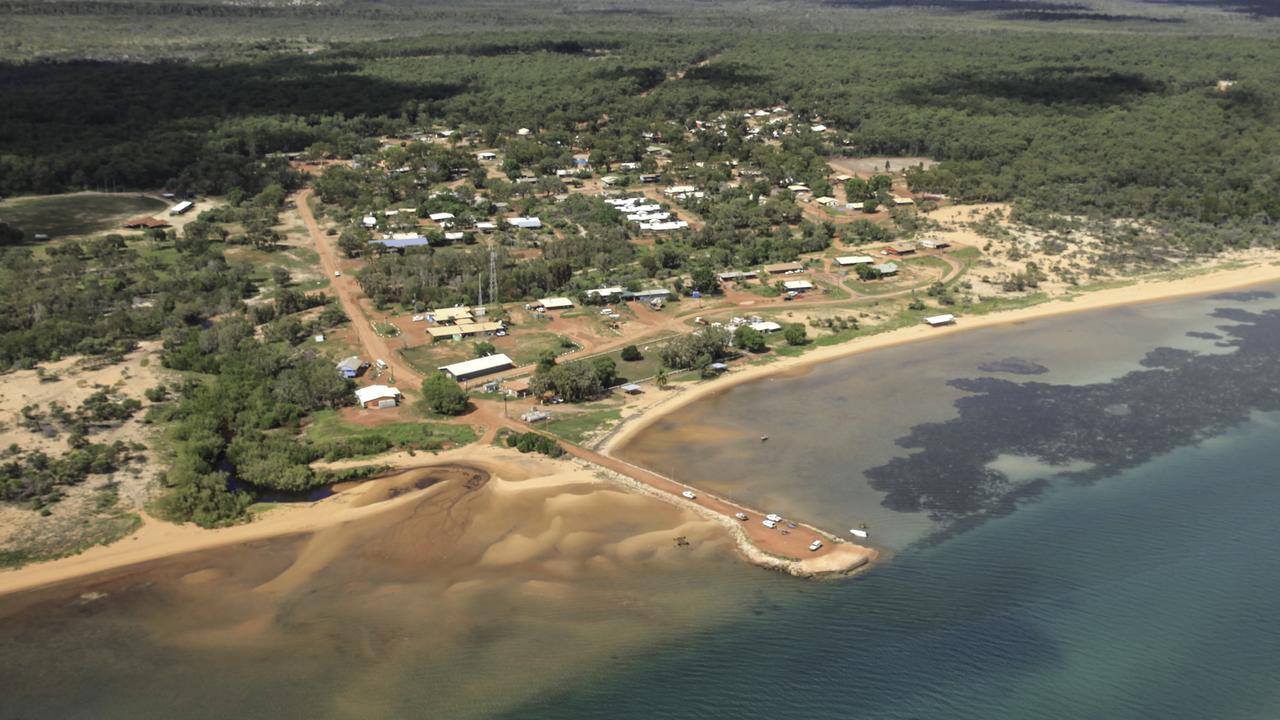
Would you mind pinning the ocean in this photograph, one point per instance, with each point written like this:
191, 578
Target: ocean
1079, 514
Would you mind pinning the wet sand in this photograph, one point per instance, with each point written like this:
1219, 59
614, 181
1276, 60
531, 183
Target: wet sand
522, 570
465, 470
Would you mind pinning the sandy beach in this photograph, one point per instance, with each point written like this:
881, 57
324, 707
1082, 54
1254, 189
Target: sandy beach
1149, 290
157, 540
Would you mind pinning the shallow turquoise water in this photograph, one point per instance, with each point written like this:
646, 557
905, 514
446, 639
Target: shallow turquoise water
1150, 595
1146, 591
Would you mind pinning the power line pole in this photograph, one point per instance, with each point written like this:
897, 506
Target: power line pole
493, 274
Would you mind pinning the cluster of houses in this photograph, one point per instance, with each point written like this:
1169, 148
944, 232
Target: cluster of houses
456, 323
647, 214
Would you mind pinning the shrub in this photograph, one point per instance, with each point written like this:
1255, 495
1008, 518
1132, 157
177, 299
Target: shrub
443, 395
795, 334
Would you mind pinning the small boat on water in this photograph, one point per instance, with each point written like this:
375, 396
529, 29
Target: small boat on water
763, 438
856, 532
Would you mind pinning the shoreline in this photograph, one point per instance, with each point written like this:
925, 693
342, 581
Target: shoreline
1143, 291
157, 540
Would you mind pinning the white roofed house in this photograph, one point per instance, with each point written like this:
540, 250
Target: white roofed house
940, 320
450, 315
766, 326
181, 207
485, 156
440, 217
605, 292
478, 367
378, 396
554, 303
528, 223
798, 285
852, 260
350, 367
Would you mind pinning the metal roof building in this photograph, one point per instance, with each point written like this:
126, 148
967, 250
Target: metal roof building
468, 369
401, 243
847, 260
554, 303
777, 268
378, 396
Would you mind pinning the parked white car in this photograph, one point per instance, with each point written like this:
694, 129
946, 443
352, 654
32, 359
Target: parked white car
689, 494
771, 524
813, 546
774, 517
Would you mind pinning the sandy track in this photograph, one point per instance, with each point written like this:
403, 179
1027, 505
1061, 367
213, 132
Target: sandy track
348, 293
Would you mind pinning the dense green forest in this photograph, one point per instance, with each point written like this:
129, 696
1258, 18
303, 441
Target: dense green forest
1062, 109
1121, 126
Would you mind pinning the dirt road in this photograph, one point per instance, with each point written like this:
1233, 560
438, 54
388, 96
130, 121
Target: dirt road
348, 293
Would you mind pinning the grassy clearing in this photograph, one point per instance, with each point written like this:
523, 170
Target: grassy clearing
327, 426
426, 358
522, 348
637, 370
526, 348
75, 215
577, 426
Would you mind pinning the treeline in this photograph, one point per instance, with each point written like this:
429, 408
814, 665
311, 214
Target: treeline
227, 426
101, 297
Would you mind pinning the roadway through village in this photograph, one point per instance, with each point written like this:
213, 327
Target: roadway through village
771, 547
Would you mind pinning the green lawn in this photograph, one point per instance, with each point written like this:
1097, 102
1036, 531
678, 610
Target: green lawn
637, 370
426, 358
327, 426
524, 348
78, 214
575, 427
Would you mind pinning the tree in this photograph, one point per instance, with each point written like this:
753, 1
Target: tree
281, 276
352, 241
661, 379
749, 339
795, 334
606, 370
631, 353
443, 395
10, 235
704, 280
575, 381
485, 348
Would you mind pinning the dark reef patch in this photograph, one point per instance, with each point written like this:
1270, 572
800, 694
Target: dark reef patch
1204, 335
1013, 366
1246, 296
1179, 399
